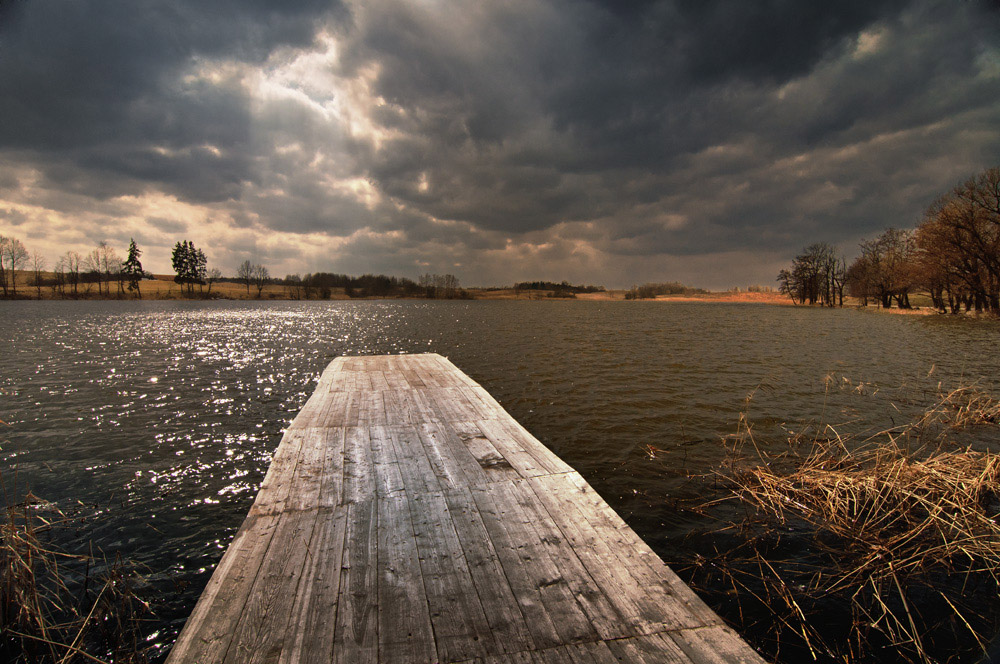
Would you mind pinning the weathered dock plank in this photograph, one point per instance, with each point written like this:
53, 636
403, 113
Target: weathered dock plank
406, 517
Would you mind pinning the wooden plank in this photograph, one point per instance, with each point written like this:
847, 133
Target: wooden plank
514, 532
449, 405
356, 632
278, 480
378, 380
371, 408
560, 655
444, 368
388, 478
307, 481
644, 565
507, 540
518, 435
395, 379
404, 626
422, 368
449, 460
209, 630
313, 617
461, 630
413, 379
359, 475
259, 636
407, 407
642, 598
333, 441
715, 645
495, 466
519, 458
414, 467
652, 649
602, 599
592, 653
360, 378
503, 613
327, 411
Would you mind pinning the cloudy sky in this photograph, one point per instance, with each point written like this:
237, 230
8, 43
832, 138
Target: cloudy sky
599, 141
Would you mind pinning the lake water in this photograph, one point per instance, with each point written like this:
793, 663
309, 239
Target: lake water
158, 419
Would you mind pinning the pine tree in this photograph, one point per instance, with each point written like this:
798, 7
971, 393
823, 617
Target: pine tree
178, 259
189, 264
132, 268
199, 265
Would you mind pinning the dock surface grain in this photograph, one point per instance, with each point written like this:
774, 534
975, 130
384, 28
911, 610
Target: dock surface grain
407, 518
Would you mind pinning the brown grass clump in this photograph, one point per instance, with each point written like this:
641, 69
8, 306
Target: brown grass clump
56, 607
896, 533
889, 505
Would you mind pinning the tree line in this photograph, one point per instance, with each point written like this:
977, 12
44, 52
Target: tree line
72, 272
321, 284
561, 287
652, 290
103, 269
952, 255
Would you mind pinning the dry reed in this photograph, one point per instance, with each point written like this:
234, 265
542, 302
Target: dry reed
900, 527
58, 607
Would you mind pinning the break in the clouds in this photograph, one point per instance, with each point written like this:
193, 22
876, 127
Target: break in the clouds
607, 142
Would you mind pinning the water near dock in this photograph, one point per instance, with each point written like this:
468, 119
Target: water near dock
406, 517
158, 419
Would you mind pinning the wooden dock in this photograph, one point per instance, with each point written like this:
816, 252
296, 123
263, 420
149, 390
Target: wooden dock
406, 517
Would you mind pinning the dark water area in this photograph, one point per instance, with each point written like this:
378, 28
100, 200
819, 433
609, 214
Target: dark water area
157, 419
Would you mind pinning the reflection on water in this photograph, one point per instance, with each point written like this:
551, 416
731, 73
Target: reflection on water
158, 419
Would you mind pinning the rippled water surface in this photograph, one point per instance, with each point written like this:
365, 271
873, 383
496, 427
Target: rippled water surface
159, 418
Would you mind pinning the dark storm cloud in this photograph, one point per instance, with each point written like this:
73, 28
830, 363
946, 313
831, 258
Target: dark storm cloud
772, 40
97, 87
594, 112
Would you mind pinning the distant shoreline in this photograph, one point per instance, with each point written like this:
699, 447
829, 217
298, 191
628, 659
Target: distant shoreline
163, 289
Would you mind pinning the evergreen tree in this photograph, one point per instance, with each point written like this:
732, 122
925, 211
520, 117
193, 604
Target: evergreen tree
189, 265
132, 268
199, 266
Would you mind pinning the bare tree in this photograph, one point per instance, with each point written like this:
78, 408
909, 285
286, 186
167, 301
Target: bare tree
3, 269
788, 285
59, 272
37, 266
260, 278
817, 275
439, 285
293, 284
72, 262
104, 263
838, 278
13, 257
245, 274
212, 277
886, 269
111, 268
959, 246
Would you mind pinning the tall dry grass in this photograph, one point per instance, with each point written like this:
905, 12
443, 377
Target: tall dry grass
59, 607
878, 547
